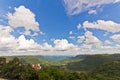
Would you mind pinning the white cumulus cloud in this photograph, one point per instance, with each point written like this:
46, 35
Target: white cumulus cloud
63, 45
80, 39
47, 47
116, 38
74, 7
23, 17
6, 40
26, 44
107, 42
89, 40
109, 26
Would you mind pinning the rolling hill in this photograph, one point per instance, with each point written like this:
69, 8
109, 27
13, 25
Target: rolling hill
89, 62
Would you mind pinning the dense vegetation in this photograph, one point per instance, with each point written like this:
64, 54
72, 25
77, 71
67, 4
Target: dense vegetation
103, 67
108, 71
17, 70
90, 62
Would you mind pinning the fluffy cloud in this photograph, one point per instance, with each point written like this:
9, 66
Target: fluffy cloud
74, 7
89, 41
23, 46
80, 39
107, 42
12, 45
9, 45
63, 45
6, 40
47, 47
23, 17
109, 26
23, 43
116, 38
92, 45
5, 30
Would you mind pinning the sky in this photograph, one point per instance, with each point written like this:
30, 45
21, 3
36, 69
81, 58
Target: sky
59, 27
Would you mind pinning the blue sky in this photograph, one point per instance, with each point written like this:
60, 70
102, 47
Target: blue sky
59, 27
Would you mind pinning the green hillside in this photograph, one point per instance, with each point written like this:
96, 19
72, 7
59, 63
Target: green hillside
91, 61
108, 71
